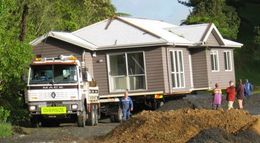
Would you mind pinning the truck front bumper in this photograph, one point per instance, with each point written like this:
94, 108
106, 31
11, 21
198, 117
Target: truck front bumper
55, 107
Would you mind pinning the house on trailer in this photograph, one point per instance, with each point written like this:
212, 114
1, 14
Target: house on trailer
146, 56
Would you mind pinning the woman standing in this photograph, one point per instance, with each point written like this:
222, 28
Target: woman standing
231, 94
217, 97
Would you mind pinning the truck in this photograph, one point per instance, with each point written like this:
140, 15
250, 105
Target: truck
61, 88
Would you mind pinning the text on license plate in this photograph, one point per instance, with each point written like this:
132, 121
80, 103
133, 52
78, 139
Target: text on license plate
53, 110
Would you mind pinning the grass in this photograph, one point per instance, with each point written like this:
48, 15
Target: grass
5, 130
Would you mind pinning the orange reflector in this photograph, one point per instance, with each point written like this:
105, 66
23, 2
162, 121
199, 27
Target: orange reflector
158, 96
72, 58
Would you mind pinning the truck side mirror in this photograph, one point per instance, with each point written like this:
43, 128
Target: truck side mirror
84, 75
24, 77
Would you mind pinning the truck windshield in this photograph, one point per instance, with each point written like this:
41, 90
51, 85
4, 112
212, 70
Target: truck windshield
45, 74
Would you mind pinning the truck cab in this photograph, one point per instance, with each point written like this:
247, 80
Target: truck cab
61, 88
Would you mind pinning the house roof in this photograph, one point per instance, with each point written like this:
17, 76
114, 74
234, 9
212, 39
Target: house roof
67, 37
126, 32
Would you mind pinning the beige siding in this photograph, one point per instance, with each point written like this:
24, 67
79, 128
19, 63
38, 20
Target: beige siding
154, 69
222, 77
199, 67
100, 72
153, 63
213, 39
53, 48
187, 78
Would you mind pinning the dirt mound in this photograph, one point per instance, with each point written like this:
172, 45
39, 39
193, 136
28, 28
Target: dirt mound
184, 125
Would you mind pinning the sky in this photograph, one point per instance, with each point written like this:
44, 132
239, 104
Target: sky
165, 10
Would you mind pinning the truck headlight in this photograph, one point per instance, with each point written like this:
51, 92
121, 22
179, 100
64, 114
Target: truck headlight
74, 106
32, 108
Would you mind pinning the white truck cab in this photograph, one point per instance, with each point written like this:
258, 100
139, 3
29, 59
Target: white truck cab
61, 88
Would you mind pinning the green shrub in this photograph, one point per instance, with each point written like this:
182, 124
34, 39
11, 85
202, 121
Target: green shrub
5, 130
4, 114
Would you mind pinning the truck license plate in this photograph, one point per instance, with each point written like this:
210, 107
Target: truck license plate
53, 110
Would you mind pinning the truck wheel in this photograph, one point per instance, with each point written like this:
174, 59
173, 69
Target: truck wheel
93, 116
82, 119
35, 122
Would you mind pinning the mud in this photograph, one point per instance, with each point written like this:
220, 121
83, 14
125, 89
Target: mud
187, 125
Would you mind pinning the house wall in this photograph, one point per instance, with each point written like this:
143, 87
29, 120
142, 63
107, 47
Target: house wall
52, 47
222, 77
199, 67
153, 64
187, 70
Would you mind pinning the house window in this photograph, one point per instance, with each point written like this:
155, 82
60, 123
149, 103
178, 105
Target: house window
227, 60
127, 71
177, 69
214, 61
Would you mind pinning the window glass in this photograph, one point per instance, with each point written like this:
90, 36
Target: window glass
227, 60
127, 71
214, 60
41, 74
177, 69
65, 74
117, 65
135, 63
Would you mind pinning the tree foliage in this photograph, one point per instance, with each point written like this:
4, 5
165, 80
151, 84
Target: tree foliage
214, 11
24, 20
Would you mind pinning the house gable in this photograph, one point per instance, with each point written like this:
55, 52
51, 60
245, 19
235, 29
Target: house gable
212, 36
213, 39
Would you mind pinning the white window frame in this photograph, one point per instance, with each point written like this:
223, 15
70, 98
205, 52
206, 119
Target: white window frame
214, 53
127, 74
175, 73
230, 66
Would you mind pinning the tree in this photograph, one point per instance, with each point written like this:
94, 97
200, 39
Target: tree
214, 11
24, 20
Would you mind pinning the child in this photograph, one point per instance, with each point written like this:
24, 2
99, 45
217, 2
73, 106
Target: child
217, 97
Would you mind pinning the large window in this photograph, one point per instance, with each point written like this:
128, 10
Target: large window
127, 71
227, 60
177, 69
214, 61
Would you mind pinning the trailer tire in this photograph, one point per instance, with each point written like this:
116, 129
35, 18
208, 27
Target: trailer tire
82, 119
119, 116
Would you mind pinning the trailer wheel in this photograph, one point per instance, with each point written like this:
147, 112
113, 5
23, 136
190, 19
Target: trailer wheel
119, 116
82, 119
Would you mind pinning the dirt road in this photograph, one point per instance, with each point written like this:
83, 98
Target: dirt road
63, 133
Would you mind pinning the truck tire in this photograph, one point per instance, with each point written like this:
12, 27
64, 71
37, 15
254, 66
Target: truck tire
93, 116
35, 123
82, 119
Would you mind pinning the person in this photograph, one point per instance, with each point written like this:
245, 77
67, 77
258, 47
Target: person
217, 97
126, 104
248, 88
231, 93
240, 94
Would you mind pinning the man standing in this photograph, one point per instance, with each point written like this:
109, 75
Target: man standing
231, 94
248, 87
126, 104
